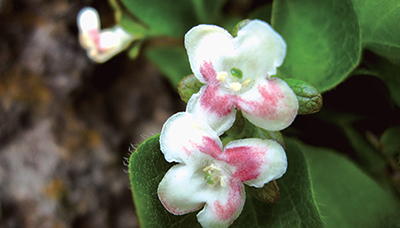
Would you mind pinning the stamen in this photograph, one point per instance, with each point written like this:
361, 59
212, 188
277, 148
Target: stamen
246, 82
221, 76
235, 86
212, 175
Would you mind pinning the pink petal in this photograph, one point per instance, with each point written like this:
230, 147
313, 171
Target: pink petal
271, 104
256, 161
214, 107
185, 139
224, 206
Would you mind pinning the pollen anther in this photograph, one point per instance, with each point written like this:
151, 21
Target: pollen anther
235, 86
221, 76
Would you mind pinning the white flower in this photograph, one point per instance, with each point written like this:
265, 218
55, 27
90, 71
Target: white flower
100, 45
211, 176
236, 73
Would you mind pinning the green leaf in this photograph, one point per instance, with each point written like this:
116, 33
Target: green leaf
127, 21
346, 196
170, 18
208, 11
310, 100
295, 208
368, 157
380, 26
147, 167
323, 40
188, 86
387, 72
263, 13
389, 141
172, 61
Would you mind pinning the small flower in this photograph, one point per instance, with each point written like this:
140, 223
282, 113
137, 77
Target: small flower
104, 44
236, 73
212, 176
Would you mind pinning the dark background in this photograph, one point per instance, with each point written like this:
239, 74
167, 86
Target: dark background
66, 123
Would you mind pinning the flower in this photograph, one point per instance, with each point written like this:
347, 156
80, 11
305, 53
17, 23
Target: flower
212, 176
104, 44
237, 74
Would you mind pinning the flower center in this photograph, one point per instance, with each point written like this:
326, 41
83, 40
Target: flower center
233, 80
213, 175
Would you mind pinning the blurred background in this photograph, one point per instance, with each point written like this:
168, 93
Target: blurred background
67, 123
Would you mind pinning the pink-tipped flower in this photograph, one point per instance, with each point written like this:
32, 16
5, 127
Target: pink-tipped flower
236, 73
100, 45
209, 175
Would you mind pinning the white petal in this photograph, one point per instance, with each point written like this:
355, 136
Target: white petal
110, 42
257, 161
207, 43
181, 191
260, 50
88, 19
271, 104
214, 107
187, 140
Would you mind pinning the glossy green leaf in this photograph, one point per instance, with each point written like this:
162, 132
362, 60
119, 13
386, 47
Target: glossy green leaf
310, 100
295, 208
346, 196
170, 18
323, 40
172, 61
188, 86
380, 26
390, 141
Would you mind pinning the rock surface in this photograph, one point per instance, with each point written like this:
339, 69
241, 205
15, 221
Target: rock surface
66, 123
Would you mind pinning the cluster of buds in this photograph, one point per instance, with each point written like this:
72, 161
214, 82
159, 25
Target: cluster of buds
236, 73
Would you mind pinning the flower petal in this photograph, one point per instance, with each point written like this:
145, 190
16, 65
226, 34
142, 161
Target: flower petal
88, 19
260, 49
185, 139
223, 206
214, 107
207, 43
177, 190
271, 104
257, 161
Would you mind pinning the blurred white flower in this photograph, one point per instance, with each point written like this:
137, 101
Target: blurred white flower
100, 45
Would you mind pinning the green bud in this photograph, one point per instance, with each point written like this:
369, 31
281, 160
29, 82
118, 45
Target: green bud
310, 100
188, 86
269, 193
239, 26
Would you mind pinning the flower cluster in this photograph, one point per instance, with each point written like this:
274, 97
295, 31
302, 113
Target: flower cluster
100, 45
236, 72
